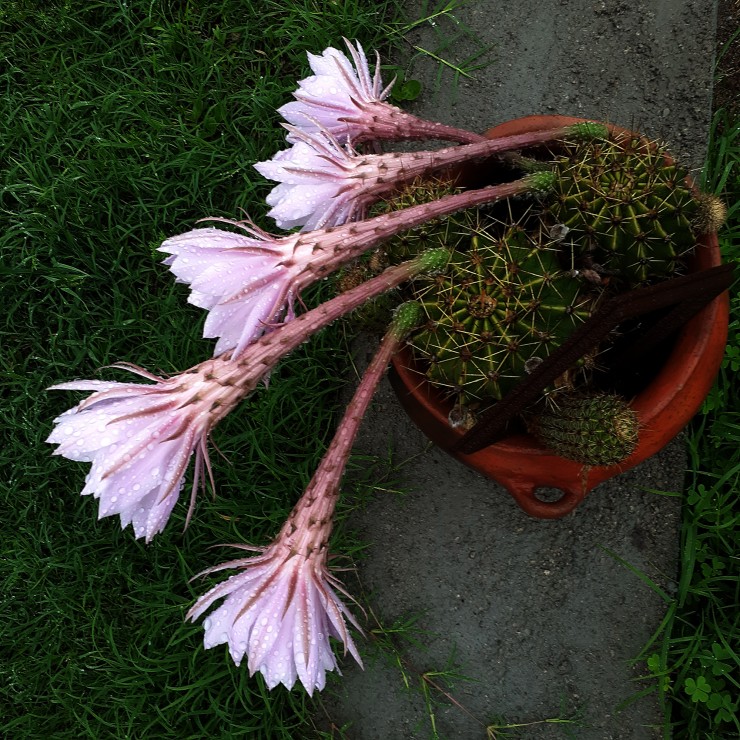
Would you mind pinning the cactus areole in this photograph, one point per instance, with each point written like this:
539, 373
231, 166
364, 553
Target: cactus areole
664, 405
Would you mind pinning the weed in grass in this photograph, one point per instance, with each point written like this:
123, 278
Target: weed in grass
392, 642
568, 722
692, 659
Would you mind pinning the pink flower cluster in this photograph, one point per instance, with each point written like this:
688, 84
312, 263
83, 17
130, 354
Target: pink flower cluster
281, 608
140, 439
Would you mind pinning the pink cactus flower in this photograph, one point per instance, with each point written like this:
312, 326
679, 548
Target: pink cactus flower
346, 99
244, 280
140, 438
281, 608
315, 188
280, 611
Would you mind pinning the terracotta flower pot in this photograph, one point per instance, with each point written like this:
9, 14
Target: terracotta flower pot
664, 407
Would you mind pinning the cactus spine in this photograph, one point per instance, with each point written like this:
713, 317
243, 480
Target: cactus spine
627, 207
498, 306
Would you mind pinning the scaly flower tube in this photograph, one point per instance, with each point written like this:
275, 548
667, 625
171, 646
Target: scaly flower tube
324, 184
140, 438
349, 102
281, 607
249, 280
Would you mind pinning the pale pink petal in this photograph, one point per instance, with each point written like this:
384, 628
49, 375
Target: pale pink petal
297, 113
140, 438
91, 385
279, 666
309, 673
238, 323
238, 277
151, 514
232, 585
266, 628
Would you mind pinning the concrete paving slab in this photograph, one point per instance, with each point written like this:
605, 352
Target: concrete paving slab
541, 619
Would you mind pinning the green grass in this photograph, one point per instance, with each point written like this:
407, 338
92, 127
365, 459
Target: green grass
694, 659
123, 124
701, 644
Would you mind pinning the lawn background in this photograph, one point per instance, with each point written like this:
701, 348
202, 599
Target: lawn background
124, 123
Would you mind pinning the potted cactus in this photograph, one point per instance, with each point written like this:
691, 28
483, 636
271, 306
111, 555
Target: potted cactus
621, 216
529, 312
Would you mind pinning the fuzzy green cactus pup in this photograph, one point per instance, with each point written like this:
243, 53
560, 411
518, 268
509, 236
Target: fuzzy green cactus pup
627, 207
598, 429
503, 304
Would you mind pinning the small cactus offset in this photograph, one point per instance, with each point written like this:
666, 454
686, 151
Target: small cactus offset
500, 306
596, 429
627, 207
711, 214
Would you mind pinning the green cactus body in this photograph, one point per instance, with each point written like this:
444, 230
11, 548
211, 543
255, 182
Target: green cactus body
627, 209
499, 306
591, 429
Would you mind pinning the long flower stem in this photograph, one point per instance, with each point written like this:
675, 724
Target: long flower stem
313, 512
392, 123
359, 237
380, 173
415, 164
